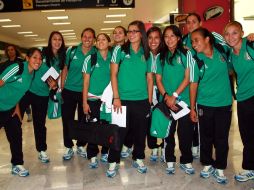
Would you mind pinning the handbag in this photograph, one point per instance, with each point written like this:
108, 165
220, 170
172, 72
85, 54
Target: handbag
100, 133
54, 105
161, 121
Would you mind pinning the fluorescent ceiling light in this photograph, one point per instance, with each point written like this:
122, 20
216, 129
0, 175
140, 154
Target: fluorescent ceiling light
66, 30
5, 20
28, 32
74, 36
119, 9
115, 15
71, 38
107, 28
57, 17
68, 34
54, 10
39, 40
31, 35
11, 26
61, 23
112, 21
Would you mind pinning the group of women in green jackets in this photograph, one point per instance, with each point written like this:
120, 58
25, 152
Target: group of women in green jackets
194, 69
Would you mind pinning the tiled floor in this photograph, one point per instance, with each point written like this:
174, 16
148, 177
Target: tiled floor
75, 174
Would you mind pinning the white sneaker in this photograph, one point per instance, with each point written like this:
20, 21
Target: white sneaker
19, 170
68, 154
170, 168
81, 151
139, 164
154, 155
43, 156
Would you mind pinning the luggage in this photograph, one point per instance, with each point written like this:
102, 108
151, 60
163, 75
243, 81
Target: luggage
96, 133
161, 121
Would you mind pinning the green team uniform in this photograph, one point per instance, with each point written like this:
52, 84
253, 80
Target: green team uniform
244, 67
214, 86
15, 87
100, 73
74, 79
39, 87
173, 73
132, 82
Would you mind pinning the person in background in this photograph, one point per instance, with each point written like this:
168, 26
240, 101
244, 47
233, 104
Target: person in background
38, 94
72, 87
119, 35
212, 93
12, 88
13, 54
132, 84
155, 44
242, 60
96, 79
173, 77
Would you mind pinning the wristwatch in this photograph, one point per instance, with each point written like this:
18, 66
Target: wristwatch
175, 94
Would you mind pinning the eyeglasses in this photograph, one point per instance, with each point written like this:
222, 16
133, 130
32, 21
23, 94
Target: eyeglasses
133, 31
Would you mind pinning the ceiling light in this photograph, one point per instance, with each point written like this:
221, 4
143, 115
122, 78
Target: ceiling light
67, 34
71, 38
28, 32
74, 36
31, 35
39, 40
53, 10
11, 26
61, 23
111, 21
5, 20
116, 15
57, 17
119, 8
107, 28
66, 30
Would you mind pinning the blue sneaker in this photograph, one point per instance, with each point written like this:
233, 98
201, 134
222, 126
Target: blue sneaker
245, 175
112, 169
220, 177
43, 157
170, 168
104, 158
125, 153
19, 170
154, 155
139, 164
94, 163
81, 152
207, 171
68, 154
187, 168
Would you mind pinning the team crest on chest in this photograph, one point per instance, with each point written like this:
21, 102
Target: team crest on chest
179, 60
247, 56
222, 58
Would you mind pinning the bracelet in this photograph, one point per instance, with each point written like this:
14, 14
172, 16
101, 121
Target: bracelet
164, 95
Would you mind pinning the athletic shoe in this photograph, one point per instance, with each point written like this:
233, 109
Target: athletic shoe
104, 158
94, 163
220, 177
68, 154
187, 168
112, 169
81, 151
43, 157
245, 175
170, 168
154, 155
125, 152
19, 170
139, 164
207, 171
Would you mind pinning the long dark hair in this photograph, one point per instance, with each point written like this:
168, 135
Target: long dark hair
16, 49
48, 52
156, 29
179, 48
144, 42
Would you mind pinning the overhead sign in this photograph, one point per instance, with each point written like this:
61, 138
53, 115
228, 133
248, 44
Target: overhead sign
20, 5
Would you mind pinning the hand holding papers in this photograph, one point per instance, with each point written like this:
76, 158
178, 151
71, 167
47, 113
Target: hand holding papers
120, 117
182, 110
50, 73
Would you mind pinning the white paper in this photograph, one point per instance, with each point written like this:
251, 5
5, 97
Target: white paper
119, 118
51, 72
184, 110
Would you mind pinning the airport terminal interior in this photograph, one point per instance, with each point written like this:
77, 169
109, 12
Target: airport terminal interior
75, 174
